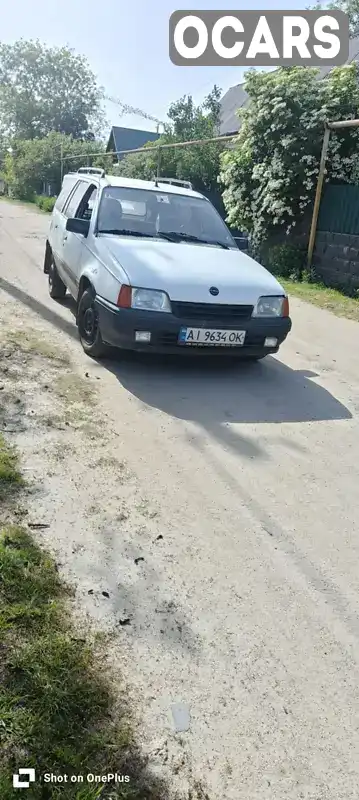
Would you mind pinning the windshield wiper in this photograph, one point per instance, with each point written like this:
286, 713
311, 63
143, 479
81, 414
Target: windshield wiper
189, 237
171, 236
125, 232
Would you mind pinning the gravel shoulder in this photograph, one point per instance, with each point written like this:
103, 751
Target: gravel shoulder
238, 488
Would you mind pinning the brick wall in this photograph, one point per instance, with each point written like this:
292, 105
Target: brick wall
336, 260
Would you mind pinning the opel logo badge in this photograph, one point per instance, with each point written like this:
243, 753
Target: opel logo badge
214, 291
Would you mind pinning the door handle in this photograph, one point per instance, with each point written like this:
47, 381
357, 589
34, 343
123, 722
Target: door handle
65, 238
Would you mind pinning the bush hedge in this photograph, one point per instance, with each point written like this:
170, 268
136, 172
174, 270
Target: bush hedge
286, 260
45, 203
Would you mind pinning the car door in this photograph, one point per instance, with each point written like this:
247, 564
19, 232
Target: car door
73, 243
58, 221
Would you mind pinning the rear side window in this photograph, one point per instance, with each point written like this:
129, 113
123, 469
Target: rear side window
75, 199
63, 196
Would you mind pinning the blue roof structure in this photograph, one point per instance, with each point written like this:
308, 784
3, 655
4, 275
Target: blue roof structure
129, 139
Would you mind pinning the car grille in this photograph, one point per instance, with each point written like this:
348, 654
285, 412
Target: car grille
211, 312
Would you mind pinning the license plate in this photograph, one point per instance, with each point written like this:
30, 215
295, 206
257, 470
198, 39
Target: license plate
211, 338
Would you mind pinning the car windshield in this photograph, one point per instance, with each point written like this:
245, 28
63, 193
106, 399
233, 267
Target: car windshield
158, 214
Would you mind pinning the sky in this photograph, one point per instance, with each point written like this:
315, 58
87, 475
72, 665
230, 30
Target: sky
126, 44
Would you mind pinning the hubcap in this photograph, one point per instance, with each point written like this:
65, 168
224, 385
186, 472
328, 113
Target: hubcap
89, 321
89, 324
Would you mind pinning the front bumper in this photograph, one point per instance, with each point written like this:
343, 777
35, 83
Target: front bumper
118, 327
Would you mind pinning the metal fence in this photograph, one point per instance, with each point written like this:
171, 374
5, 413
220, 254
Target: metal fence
339, 210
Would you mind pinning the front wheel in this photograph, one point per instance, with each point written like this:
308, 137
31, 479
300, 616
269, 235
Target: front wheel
57, 288
88, 326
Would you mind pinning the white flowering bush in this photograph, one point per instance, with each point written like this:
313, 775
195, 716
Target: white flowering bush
270, 175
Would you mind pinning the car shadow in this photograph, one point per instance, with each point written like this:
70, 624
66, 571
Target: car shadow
210, 392
48, 314
215, 395
214, 392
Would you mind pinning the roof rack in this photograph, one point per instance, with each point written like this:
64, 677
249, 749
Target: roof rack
92, 171
175, 182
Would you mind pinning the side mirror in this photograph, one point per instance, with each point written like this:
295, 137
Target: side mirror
241, 242
81, 226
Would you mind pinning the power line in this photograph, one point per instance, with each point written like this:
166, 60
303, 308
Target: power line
137, 112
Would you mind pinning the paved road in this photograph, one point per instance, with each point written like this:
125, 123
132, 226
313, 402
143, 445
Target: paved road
256, 472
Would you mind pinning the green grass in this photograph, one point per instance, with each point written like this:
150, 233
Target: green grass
10, 476
42, 204
54, 704
321, 296
30, 342
59, 712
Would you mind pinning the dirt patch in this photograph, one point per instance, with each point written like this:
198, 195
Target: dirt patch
81, 496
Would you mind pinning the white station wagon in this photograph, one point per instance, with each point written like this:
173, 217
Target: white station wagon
152, 266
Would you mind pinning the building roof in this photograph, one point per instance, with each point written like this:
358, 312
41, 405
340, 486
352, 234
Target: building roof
129, 138
236, 97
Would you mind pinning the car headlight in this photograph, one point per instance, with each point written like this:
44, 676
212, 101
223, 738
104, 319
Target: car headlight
150, 300
271, 307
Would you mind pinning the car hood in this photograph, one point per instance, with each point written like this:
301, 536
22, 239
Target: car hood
187, 271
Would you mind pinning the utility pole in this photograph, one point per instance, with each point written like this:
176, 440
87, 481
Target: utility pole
62, 162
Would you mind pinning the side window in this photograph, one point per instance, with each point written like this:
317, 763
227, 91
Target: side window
75, 199
87, 204
63, 197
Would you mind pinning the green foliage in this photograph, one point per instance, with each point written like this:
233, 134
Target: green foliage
45, 203
286, 260
35, 162
323, 297
10, 477
188, 122
350, 7
271, 173
55, 702
45, 89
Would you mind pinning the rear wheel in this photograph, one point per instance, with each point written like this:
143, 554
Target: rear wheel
57, 288
88, 325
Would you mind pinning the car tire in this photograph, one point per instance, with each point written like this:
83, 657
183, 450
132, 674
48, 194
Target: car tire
88, 326
57, 288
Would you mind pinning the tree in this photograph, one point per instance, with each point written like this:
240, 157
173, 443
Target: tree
44, 89
199, 164
350, 7
34, 163
271, 174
